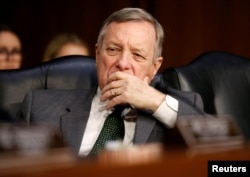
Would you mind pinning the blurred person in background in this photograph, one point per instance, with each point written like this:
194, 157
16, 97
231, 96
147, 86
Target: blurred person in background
65, 44
10, 49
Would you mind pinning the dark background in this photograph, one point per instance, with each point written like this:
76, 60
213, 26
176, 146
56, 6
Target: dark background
191, 26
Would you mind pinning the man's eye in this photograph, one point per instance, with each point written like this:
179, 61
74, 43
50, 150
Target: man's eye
138, 56
112, 51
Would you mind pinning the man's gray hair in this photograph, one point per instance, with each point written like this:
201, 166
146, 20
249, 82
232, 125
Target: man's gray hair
134, 14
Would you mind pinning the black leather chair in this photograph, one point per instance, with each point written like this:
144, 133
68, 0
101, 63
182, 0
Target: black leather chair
67, 72
223, 81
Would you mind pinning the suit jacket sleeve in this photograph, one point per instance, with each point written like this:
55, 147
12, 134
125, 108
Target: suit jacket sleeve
189, 102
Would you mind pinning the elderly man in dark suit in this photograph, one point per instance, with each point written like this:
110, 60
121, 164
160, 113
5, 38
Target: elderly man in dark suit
128, 55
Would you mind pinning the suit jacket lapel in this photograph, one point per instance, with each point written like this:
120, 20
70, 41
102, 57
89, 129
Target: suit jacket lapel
143, 129
73, 122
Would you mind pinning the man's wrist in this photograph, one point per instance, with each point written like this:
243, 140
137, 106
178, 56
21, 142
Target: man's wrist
157, 100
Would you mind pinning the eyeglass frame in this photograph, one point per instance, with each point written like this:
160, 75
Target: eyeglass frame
4, 52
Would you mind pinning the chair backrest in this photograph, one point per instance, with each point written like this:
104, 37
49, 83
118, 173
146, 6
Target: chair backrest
223, 81
69, 72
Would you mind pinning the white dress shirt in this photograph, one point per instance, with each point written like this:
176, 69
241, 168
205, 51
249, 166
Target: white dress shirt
166, 113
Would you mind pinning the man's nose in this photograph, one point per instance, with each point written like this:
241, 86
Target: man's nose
123, 62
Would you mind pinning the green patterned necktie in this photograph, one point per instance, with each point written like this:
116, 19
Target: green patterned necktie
113, 129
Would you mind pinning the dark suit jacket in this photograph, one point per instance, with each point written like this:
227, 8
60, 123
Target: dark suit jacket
68, 110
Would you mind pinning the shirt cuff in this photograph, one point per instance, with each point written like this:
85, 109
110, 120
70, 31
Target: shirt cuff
167, 111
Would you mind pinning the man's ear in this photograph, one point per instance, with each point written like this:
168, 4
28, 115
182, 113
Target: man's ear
157, 65
154, 69
97, 50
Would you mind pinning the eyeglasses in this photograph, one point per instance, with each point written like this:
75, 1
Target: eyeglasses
4, 53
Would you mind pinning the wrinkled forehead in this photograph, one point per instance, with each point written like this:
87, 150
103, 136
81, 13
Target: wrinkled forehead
131, 32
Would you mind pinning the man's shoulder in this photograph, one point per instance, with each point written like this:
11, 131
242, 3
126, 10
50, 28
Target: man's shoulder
60, 93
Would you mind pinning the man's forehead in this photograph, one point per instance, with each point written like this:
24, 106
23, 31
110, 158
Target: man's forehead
132, 30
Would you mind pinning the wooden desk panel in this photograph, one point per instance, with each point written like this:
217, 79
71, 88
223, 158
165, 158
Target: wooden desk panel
173, 163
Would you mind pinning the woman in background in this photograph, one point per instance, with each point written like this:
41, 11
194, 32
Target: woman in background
65, 44
10, 49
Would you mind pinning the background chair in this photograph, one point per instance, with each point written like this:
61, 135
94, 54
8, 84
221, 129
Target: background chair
69, 72
222, 80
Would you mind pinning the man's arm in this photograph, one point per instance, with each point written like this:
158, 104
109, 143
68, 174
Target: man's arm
184, 103
124, 88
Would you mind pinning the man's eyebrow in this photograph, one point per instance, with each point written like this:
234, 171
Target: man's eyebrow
113, 43
140, 50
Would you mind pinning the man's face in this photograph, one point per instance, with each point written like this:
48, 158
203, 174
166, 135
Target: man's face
127, 47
